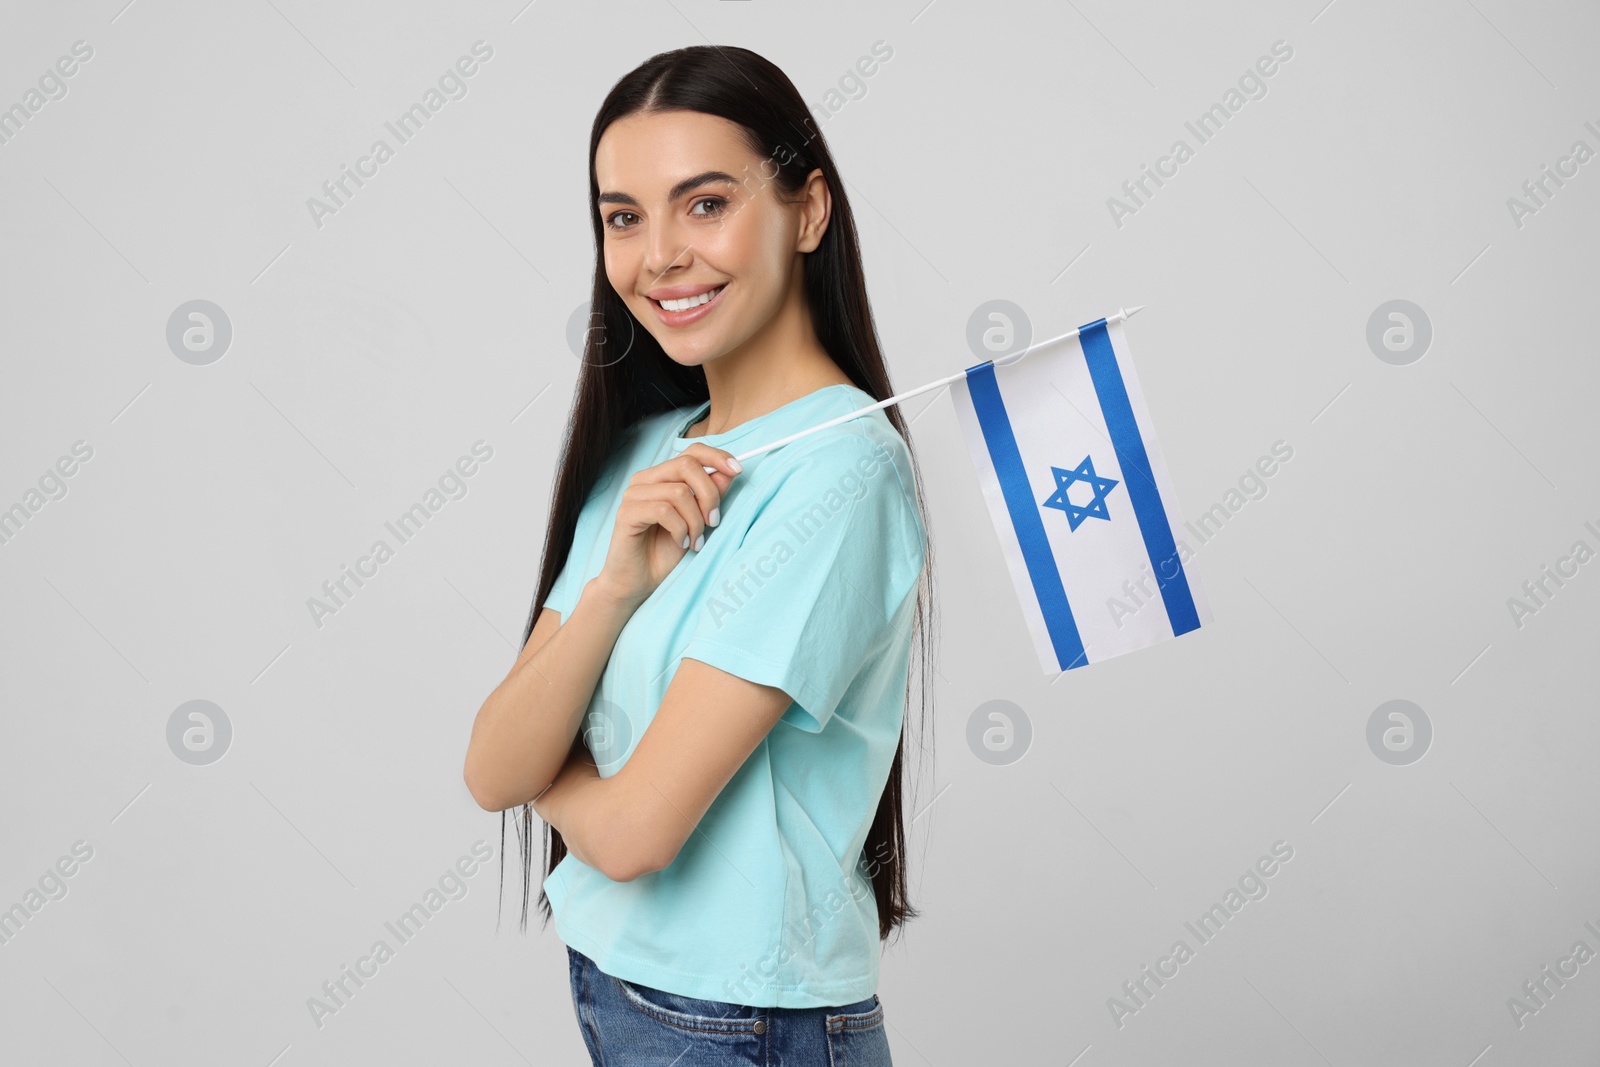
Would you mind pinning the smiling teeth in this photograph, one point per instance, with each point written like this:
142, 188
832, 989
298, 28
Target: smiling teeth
690, 301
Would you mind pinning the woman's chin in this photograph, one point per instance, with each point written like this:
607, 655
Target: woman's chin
688, 355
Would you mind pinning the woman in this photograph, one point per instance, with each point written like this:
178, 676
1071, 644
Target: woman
725, 833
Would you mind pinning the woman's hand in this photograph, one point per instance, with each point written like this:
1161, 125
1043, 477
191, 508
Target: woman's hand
578, 768
664, 511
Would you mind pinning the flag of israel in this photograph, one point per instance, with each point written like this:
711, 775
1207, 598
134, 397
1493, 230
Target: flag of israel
1080, 498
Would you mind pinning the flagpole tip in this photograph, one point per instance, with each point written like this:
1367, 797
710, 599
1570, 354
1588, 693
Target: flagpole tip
1129, 313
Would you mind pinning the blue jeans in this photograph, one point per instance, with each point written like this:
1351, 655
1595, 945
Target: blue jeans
626, 1024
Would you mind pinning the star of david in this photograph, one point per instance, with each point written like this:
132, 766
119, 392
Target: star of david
1076, 513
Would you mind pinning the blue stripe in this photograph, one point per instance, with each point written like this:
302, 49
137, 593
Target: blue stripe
1147, 507
1006, 459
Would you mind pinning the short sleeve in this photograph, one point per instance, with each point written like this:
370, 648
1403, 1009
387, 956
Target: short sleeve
815, 589
563, 596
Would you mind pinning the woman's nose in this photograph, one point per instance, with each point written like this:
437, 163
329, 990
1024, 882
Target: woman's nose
667, 248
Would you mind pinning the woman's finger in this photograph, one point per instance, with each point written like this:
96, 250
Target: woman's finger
707, 490
670, 516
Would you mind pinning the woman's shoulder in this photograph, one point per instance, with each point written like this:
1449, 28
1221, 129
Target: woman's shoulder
869, 438
863, 460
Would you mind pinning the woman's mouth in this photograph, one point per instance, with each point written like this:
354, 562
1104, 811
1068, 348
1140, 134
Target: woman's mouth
690, 309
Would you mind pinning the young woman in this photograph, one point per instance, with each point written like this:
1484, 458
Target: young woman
726, 835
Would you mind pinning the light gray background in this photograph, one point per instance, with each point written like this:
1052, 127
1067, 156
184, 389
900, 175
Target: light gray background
429, 313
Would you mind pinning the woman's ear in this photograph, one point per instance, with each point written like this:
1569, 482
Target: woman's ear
816, 207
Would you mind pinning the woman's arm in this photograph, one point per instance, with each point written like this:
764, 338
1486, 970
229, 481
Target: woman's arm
571, 805
824, 614
525, 729
637, 820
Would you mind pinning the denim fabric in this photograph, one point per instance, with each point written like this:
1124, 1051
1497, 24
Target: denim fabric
625, 1024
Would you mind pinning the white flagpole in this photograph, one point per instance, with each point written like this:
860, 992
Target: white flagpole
1121, 314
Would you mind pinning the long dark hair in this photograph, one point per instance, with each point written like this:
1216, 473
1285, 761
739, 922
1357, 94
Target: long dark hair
615, 393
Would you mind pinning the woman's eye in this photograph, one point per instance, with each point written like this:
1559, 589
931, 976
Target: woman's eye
714, 206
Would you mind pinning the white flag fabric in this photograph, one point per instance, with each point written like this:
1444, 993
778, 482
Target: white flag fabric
1080, 498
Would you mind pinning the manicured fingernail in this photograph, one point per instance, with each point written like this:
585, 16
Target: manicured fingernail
716, 516
735, 464
685, 540
698, 541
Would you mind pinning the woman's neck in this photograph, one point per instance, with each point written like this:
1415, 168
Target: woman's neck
735, 405
781, 362
746, 384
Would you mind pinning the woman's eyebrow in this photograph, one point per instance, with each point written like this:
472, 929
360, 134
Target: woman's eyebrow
677, 190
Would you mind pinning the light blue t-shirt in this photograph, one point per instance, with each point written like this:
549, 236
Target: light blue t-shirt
808, 583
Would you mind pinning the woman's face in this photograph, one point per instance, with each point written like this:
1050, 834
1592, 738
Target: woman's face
687, 209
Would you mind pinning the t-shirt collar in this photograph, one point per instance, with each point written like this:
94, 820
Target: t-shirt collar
773, 419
